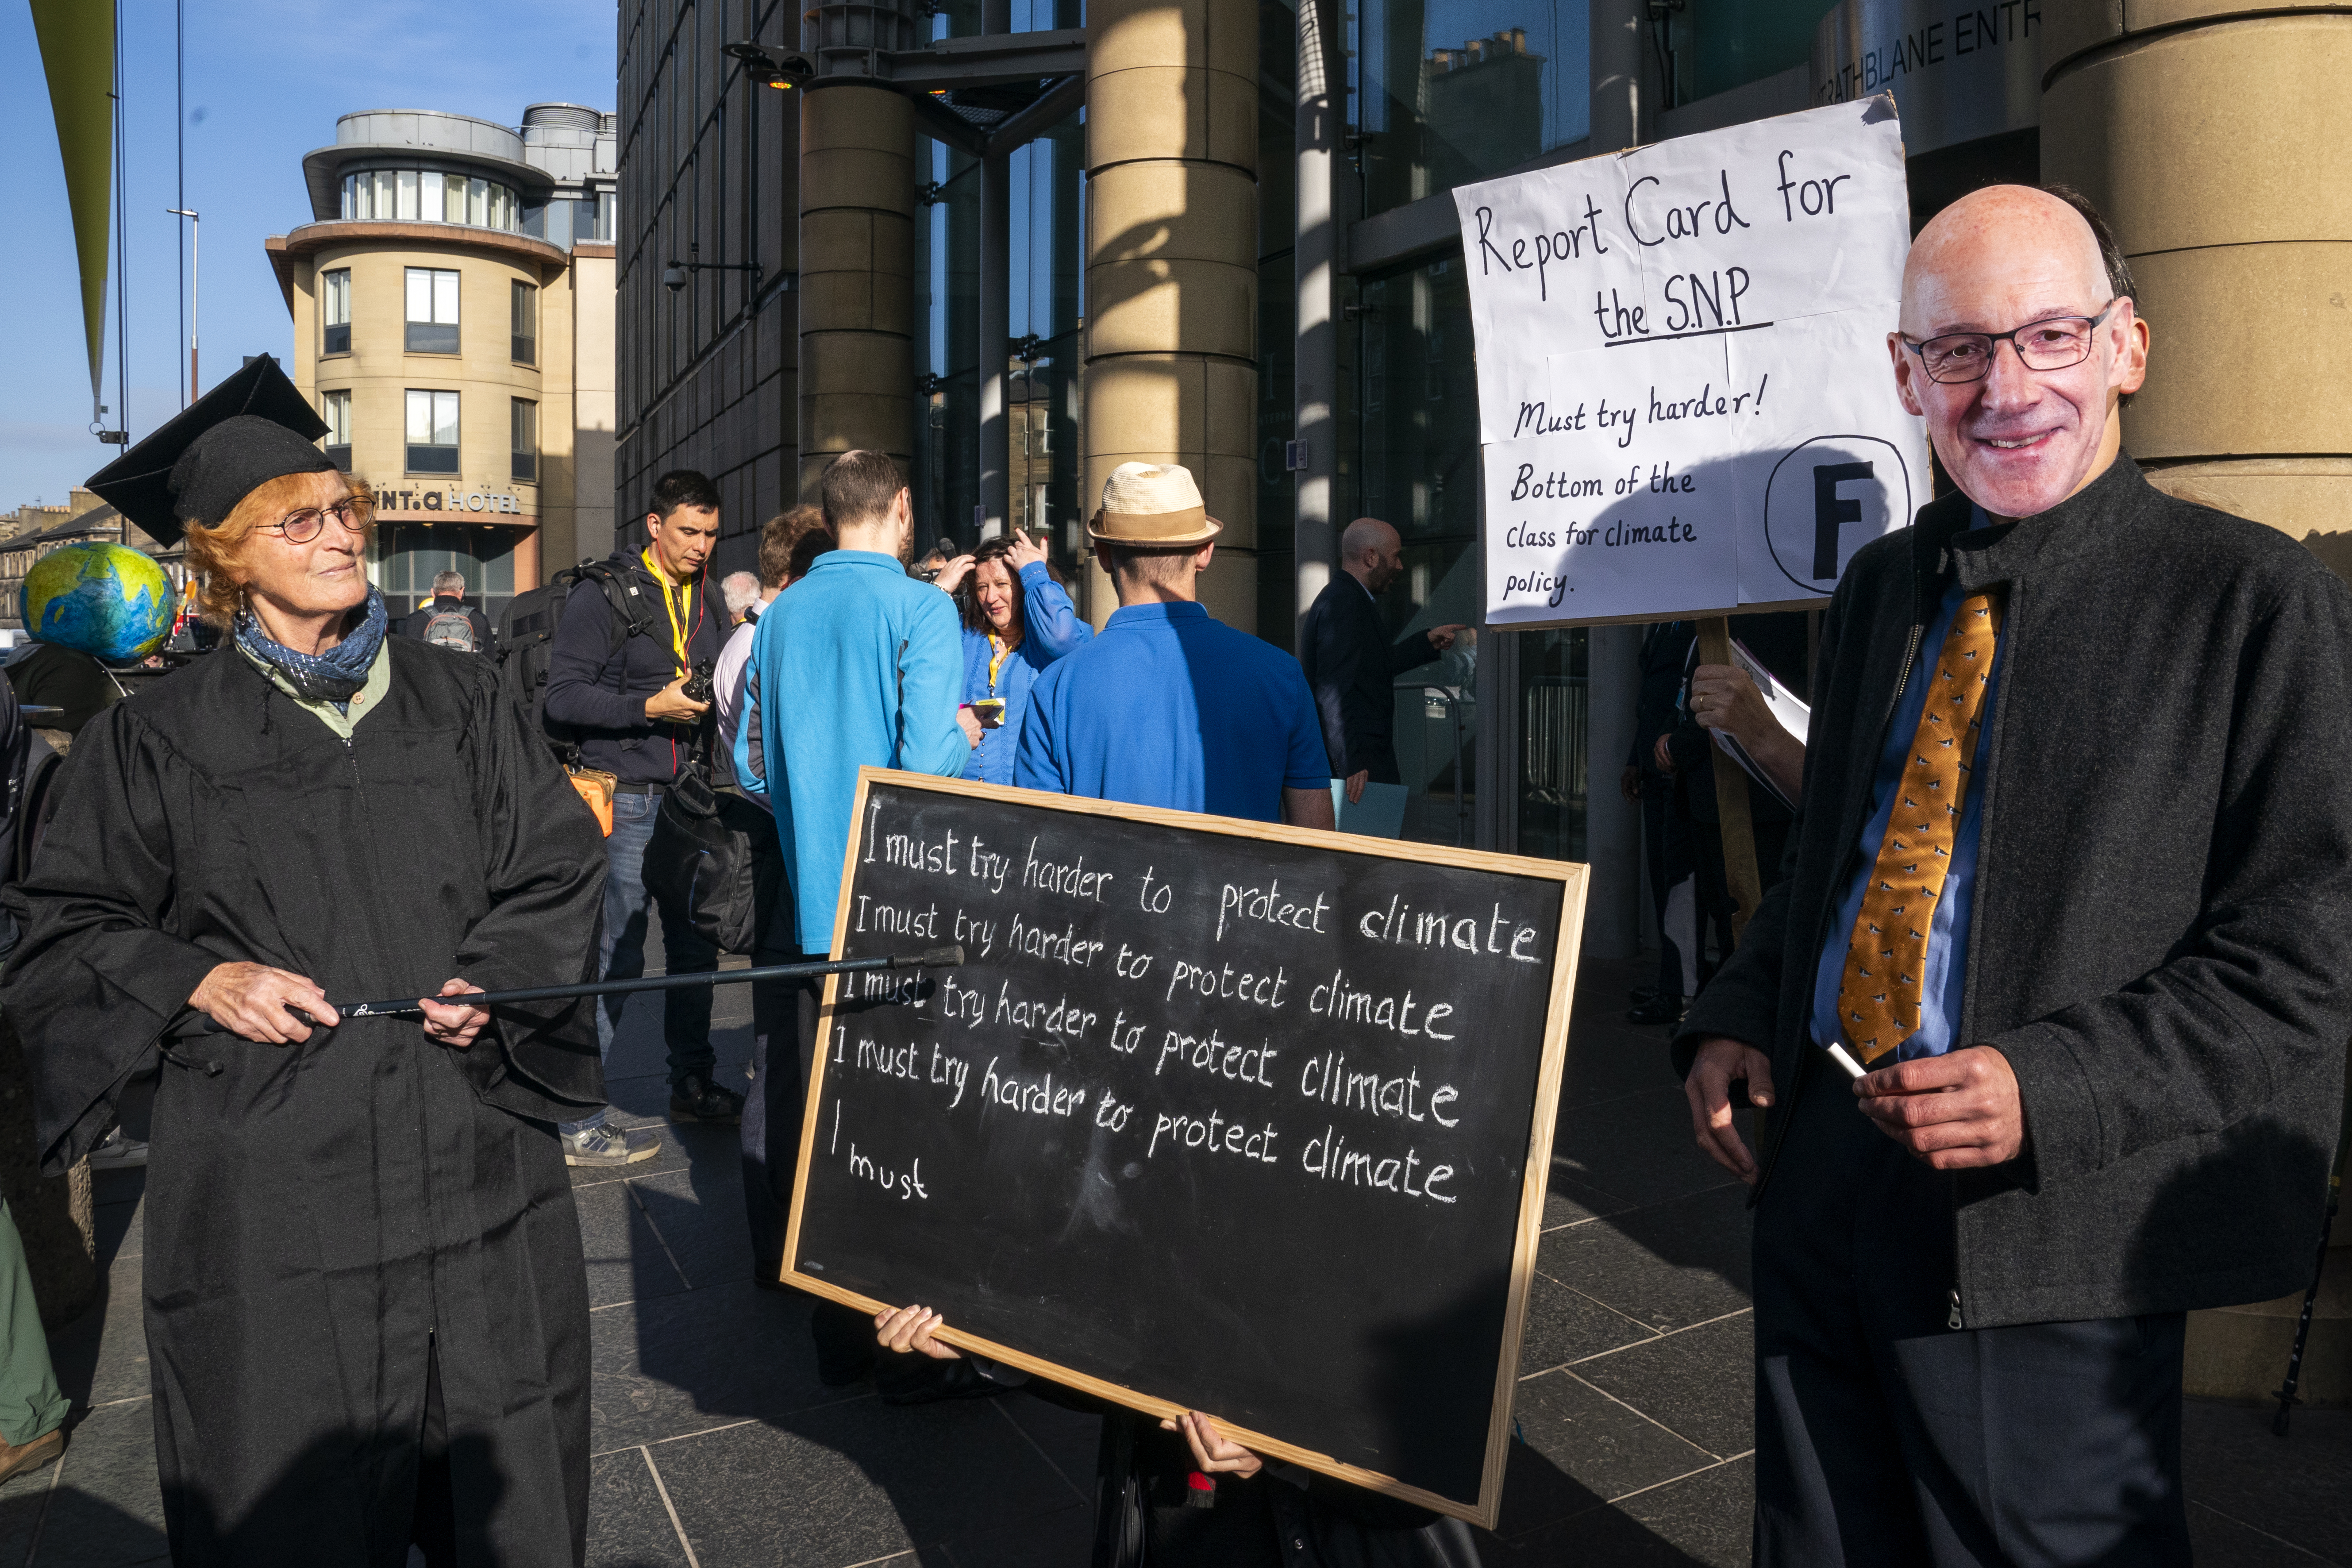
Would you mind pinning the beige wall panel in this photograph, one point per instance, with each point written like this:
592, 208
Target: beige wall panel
2215, 390
1229, 489
856, 117
1228, 589
2309, 499
1146, 111
840, 239
856, 177
839, 301
1232, 429
1153, 402
2070, 26
1160, 307
1122, 33
864, 363
2142, 15
1231, 29
836, 422
1233, 103
2231, 168
1165, 210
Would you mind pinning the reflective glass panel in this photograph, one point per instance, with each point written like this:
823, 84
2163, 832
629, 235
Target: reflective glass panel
406, 209
1455, 91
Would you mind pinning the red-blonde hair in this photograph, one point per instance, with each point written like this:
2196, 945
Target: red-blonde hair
212, 550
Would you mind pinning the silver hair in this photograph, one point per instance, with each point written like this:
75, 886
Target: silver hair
740, 589
448, 582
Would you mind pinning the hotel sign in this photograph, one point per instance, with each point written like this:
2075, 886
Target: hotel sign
439, 503
1959, 69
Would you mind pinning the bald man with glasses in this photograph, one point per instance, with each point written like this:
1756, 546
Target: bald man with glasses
2073, 890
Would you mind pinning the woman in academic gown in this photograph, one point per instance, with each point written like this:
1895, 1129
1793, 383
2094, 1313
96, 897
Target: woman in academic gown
366, 1308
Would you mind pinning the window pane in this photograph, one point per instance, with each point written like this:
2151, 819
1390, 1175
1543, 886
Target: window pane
444, 418
429, 206
420, 417
406, 211
445, 297
478, 203
383, 193
420, 293
336, 408
454, 185
347, 197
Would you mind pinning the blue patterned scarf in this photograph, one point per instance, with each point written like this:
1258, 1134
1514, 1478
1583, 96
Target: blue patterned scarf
334, 676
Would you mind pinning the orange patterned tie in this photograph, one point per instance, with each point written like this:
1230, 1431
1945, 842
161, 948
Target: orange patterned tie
1879, 997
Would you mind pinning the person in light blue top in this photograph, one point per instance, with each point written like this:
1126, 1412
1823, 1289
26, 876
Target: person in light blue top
1169, 705
1016, 622
856, 664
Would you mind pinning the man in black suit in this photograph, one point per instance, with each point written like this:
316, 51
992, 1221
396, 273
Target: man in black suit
1351, 662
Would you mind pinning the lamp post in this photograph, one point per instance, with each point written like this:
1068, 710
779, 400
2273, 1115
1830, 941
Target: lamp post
195, 283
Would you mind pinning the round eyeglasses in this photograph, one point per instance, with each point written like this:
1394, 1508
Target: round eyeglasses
351, 514
2058, 343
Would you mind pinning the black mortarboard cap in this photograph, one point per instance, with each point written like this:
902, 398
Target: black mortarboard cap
253, 427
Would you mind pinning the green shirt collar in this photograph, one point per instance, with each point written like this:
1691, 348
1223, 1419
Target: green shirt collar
342, 720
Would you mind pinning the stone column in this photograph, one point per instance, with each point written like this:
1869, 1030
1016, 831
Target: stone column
1172, 266
857, 213
2217, 138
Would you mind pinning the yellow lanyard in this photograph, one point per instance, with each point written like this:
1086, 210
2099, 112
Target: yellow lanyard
680, 615
998, 655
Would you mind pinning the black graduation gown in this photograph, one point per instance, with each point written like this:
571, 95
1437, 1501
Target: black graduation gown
315, 1212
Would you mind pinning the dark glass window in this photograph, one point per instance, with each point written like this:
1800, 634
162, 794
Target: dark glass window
432, 310
335, 310
525, 422
526, 324
432, 432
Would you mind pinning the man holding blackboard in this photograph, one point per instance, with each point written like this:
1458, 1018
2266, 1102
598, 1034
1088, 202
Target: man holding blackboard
1169, 705
2070, 884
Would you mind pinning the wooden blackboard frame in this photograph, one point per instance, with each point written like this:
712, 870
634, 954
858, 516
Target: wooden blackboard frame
1572, 878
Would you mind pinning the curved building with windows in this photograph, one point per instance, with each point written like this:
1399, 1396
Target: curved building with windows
452, 302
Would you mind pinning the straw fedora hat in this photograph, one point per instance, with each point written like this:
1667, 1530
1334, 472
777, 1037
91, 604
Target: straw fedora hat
1153, 504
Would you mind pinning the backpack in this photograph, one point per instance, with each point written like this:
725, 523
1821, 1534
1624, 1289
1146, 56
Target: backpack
452, 629
526, 638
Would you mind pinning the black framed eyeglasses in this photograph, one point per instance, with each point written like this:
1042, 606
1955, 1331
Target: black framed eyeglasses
2057, 342
351, 514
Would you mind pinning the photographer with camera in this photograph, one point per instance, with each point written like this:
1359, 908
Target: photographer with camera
638, 706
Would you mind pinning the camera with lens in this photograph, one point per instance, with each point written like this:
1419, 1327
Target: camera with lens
697, 687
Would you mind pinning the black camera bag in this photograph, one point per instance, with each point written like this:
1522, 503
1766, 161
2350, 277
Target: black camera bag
714, 858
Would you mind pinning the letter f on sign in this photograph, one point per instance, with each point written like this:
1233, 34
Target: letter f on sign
1830, 508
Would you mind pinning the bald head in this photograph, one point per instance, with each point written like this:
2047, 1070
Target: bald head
2026, 237
1372, 553
2018, 440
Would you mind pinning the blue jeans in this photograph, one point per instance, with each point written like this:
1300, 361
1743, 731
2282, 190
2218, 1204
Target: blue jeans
685, 1012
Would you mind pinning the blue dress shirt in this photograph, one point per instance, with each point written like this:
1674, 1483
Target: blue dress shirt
1945, 968
1169, 707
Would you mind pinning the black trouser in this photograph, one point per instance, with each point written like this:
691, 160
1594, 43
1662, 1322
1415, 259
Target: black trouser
783, 1046
1668, 851
1714, 888
1884, 1436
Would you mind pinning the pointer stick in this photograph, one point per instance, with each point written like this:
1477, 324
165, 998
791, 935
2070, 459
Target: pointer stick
404, 1007
1838, 1054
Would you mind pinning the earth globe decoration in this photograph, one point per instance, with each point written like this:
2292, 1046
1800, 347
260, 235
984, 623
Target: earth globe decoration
95, 598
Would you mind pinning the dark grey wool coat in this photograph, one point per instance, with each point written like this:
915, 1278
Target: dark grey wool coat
2162, 936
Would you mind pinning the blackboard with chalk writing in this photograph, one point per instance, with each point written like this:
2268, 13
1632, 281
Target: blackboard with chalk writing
1215, 1115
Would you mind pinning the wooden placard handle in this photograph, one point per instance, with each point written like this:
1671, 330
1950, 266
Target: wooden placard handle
1738, 828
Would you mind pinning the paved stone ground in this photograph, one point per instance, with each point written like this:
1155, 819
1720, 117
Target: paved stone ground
715, 1445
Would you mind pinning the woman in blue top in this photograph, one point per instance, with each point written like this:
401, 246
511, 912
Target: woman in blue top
1017, 621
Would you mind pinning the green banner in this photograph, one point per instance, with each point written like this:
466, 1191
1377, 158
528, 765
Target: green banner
78, 55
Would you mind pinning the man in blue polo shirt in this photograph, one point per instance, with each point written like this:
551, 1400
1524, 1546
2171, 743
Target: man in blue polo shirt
857, 665
1170, 707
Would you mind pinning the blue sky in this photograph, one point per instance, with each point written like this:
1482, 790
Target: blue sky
266, 80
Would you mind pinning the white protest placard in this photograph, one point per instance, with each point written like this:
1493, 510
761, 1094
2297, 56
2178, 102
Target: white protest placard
1684, 397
